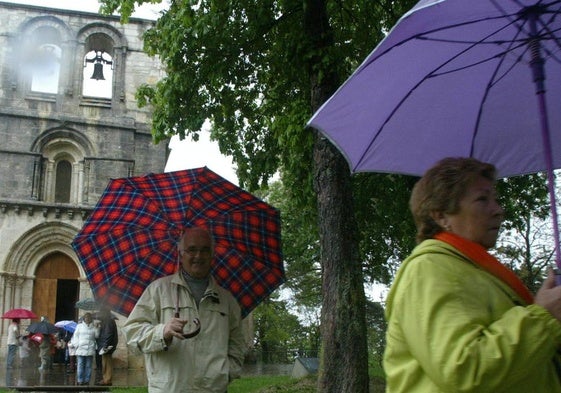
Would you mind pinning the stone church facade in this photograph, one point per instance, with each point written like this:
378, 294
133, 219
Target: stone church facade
69, 122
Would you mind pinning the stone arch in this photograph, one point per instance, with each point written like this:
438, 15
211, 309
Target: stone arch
29, 27
71, 135
36, 244
117, 39
47, 245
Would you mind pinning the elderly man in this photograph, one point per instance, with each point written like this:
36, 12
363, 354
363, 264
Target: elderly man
172, 306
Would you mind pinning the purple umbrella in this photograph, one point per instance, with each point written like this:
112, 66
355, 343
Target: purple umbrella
69, 326
456, 78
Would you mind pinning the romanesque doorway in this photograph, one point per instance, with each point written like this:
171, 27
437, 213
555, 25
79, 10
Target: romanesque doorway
56, 288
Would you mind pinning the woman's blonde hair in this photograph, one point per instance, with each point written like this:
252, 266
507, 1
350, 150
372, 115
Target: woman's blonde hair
440, 190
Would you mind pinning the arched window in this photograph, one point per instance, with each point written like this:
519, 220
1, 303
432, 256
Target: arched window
45, 69
99, 63
63, 181
42, 60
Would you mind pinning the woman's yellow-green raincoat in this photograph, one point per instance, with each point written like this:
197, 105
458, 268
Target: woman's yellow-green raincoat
453, 327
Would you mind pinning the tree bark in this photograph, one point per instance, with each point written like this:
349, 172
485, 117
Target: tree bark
344, 350
344, 357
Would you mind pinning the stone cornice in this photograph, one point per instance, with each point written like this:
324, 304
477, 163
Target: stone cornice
31, 208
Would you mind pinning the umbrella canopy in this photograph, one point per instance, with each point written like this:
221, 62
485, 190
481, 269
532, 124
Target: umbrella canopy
42, 327
452, 79
456, 78
19, 313
87, 304
69, 326
130, 239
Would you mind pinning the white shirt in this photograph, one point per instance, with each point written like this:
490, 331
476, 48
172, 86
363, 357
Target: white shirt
13, 334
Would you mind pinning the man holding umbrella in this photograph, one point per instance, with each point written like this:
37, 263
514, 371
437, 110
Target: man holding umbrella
174, 361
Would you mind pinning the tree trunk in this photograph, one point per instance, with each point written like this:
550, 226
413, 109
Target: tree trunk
344, 351
344, 357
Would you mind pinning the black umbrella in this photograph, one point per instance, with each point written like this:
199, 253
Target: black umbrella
42, 327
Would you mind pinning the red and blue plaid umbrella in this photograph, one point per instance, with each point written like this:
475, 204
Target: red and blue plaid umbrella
130, 239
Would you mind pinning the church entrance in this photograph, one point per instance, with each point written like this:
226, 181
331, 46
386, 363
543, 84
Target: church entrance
56, 288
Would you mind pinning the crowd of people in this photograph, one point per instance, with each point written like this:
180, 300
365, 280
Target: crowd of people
74, 349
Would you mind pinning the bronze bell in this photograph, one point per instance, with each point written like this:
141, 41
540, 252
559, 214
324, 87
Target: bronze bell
98, 72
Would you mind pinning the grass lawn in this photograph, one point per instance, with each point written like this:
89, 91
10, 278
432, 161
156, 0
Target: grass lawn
262, 384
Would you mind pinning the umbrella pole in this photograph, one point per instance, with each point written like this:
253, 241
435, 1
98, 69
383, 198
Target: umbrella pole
538, 73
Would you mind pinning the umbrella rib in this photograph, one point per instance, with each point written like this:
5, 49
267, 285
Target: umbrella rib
429, 75
492, 81
513, 45
550, 34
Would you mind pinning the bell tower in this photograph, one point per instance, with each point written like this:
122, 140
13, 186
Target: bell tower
69, 122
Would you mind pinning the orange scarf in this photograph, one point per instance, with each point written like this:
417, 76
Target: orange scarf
478, 255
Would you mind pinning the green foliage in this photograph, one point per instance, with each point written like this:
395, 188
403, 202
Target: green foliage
385, 224
300, 246
526, 243
387, 230
377, 327
278, 334
124, 8
243, 66
521, 196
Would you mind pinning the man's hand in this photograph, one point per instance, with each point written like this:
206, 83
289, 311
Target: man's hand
174, 328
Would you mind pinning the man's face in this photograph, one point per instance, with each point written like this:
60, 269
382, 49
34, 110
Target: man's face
196, 253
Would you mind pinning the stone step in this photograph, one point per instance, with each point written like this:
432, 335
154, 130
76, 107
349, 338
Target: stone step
60, 388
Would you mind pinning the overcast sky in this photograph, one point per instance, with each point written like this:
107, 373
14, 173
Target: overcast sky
148, 11
185, 154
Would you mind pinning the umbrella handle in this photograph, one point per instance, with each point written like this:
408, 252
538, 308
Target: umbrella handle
196, 321
194, 332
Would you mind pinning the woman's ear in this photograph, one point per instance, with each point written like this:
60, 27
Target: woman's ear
441, 219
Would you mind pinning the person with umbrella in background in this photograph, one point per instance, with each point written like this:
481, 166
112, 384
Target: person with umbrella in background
43, 333
189, 299
84, 341
16, 315
108, 340
13, 342
68, 327
458, 320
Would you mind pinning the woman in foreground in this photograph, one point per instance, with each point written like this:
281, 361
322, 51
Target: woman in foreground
458, 320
